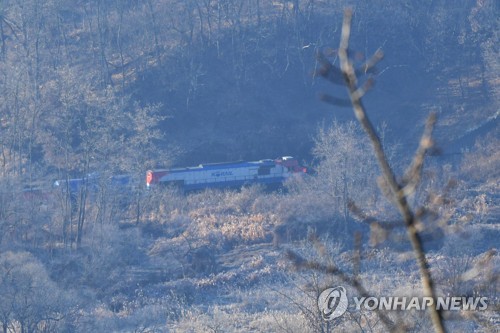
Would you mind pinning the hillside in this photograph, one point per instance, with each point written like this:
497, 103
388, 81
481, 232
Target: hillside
235, 80
248, 91
95, 89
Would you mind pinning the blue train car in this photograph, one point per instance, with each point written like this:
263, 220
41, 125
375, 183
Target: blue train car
93, 182
220, 175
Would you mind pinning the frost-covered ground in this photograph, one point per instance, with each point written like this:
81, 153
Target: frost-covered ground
217, 268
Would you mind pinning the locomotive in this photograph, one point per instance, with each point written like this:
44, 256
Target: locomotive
217, 175
222, 175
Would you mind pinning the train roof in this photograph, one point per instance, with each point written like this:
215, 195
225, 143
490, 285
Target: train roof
216, 166
93, 178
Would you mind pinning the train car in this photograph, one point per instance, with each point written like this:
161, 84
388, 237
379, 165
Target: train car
93, 182
221, 175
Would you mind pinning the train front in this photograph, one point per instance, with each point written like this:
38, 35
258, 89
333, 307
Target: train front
292, 165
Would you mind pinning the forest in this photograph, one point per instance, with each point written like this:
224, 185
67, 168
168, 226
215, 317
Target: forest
114, 87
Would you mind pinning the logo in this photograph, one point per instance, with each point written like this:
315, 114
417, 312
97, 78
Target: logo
395, 303
332, 303
222, 173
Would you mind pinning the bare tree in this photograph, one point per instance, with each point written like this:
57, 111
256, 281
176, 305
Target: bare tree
396, 191
345, 166
30, 299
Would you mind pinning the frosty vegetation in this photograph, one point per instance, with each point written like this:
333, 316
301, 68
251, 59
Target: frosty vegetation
114, 87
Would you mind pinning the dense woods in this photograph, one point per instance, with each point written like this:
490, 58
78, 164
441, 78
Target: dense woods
114, 87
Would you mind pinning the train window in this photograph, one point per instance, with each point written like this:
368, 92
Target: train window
263, 171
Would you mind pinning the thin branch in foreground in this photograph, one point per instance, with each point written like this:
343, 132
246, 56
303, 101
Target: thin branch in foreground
413, 174
400, 199
342, 102
369, 66
328, 71
301, 263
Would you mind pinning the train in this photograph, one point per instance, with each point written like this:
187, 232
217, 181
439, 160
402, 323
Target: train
93, 182
224, 175
268, 172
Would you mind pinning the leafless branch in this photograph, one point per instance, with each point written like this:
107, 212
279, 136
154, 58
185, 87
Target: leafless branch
301, 263
328, 71
335, 100
397, 191
414, 172
369, 66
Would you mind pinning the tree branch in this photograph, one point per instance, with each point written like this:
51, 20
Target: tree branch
398, 193
414, 172
301, 263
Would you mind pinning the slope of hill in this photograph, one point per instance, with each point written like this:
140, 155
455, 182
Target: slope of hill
248, 90
118, 87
